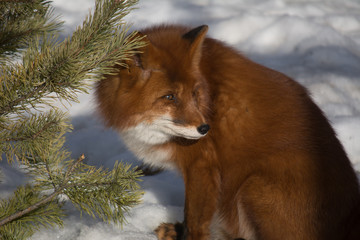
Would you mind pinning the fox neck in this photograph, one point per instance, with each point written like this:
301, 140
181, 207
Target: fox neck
152, 149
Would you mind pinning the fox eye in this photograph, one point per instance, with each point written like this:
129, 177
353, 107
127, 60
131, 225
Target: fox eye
169, 97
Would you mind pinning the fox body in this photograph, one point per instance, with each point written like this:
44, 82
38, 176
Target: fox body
270, 167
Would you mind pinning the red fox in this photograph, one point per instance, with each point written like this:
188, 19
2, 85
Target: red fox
259, 159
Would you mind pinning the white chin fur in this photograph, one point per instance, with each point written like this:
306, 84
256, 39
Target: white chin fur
146, 133
143, 138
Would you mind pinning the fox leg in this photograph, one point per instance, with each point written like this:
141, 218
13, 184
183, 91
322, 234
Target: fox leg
201, 189
201, 194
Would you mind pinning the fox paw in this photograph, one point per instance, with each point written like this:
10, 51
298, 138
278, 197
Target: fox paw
169, 231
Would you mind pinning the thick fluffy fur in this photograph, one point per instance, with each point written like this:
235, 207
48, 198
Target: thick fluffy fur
270, 167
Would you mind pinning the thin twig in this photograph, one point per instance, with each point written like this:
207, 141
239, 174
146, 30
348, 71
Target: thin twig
72, 167
50, 175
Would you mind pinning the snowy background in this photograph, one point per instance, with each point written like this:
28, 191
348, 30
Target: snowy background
316, 42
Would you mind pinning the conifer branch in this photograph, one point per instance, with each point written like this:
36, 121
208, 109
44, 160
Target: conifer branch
23, 227
32, 136
21, 99
46, 67
29, 209
46, 199
63, 189
22, 20
52, 70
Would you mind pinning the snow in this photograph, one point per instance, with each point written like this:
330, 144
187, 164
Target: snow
316, 42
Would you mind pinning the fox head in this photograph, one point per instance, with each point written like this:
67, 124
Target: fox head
161, 94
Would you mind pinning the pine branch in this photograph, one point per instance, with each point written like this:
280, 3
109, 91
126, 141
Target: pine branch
36, 132
22, 20
22, 227
93, 204
29, 209
52, 70
34, 135
105, 198
61, 68
47, 198
22, 98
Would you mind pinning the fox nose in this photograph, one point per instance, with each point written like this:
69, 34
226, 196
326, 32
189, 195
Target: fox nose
203, 128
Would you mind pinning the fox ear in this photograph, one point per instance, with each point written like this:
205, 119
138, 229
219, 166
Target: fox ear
196, 38
140, 60
196, 34
136, 58
143, 58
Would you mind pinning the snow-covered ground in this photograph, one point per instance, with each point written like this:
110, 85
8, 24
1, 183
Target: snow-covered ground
314, 41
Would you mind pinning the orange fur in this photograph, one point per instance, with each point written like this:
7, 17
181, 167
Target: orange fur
270, 167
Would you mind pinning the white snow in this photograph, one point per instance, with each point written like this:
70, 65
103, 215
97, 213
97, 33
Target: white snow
316, 42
